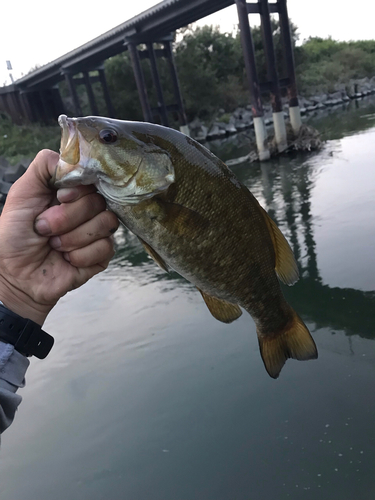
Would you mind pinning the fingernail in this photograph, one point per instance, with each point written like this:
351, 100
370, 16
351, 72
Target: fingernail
55, 242
41, 226
65, 195
66, 257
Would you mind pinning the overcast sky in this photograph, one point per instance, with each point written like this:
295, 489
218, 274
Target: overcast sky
36, 32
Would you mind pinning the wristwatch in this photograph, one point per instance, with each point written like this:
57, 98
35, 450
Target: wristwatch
27, 337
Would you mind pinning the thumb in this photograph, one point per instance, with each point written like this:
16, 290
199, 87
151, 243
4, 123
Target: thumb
33, 185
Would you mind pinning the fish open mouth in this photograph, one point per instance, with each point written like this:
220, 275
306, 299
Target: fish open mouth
69, 148
70, 170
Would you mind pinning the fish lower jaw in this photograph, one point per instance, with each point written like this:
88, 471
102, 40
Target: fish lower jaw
77, 176
120, 195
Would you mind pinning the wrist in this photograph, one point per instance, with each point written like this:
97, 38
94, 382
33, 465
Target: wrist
19, 302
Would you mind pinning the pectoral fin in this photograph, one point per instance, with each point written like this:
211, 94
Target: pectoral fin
285, 263
220, 309
180, 220
154, 255
175, 218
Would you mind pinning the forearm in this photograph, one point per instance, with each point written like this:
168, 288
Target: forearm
13, 366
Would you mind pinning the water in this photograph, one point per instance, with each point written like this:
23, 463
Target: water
146, 396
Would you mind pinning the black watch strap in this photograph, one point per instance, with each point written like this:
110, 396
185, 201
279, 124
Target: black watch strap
27, 337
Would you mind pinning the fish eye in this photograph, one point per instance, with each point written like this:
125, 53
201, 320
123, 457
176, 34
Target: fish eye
107, 136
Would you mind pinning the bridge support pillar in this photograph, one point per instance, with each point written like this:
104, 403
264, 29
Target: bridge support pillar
26, 106
30, 96
73, 92
90, 93
107, 98
56, 103
45, 112
184, 128
249, 58
157, 84
277, 108
161, 109
139, 79
294, 109
17, 106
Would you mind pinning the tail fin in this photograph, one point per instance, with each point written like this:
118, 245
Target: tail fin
294, 341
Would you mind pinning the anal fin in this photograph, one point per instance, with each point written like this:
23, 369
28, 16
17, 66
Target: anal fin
154, 255
221, 309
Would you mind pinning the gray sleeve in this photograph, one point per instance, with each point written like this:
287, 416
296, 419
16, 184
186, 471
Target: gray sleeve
13, 366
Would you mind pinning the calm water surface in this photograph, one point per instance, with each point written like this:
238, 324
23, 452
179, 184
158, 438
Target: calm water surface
146, 396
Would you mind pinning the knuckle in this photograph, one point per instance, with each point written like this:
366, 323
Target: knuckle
44, 155
59, 219
96, 202
78, 258
107, 222
108, 246
113, 221
66, 245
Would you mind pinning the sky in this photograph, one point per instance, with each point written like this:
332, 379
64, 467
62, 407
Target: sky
36, 32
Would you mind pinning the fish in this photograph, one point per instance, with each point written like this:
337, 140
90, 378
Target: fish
192, 215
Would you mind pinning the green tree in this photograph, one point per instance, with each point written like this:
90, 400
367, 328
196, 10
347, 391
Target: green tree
210, 69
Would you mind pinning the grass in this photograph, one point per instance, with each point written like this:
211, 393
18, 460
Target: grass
24, 141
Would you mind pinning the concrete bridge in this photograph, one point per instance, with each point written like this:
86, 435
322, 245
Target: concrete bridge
36, 97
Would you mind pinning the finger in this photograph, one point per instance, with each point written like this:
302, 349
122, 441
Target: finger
99, 251
85, 273
67, 195
63, 218
101, 226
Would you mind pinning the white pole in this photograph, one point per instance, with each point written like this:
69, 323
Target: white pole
261, 138
280, 131
295, 119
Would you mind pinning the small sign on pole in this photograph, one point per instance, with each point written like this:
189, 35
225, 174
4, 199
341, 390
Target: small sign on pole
9, 66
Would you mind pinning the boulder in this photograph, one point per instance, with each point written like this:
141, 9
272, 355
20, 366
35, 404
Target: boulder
268, 121
243, 118
230, 128
363, 84
4, 187
202, 133
198, 131
11, 174
217, 129
4, 162
319, 99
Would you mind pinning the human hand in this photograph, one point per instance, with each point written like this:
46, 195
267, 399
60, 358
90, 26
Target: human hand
48, 249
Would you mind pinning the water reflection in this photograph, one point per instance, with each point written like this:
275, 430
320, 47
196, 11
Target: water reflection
285, 188
146, 396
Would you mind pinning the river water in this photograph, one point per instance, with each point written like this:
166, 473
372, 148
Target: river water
146, 397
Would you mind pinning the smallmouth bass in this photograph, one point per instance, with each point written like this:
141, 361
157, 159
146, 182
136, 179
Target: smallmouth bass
192, 214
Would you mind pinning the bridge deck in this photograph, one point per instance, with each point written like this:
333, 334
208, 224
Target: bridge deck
158, 21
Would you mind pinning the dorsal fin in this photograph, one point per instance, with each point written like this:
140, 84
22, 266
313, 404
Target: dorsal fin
221, 309
154, 255
285, 263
